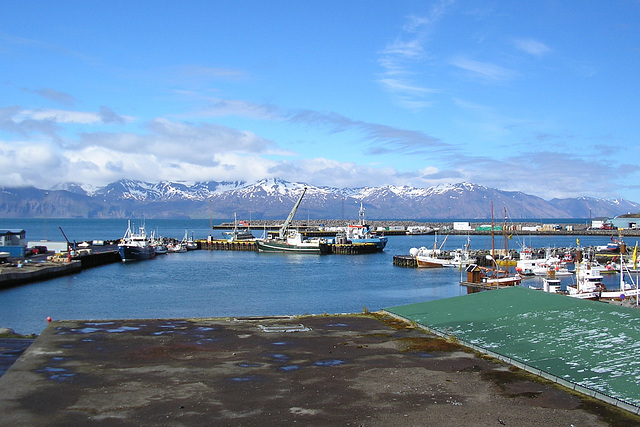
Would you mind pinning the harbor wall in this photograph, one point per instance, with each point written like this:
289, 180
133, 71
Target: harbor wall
31, 272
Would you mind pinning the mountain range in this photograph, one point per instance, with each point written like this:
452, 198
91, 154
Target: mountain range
274, 198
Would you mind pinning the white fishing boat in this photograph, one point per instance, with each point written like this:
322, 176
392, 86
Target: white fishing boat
158, 244
588, 284
419, 230
552, 285
529, 266
625, 289
428, 258
238, 234
431, 258
176, 247
188, 242
160, 247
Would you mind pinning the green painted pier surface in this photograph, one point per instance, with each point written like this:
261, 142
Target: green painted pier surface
585, 343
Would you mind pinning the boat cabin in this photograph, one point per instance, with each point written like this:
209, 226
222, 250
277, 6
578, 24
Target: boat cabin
13, 241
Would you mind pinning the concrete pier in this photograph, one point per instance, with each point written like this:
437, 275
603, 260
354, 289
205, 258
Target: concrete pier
12, 275
368, 370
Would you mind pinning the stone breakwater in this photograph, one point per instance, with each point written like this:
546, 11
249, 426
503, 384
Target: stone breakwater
446, 227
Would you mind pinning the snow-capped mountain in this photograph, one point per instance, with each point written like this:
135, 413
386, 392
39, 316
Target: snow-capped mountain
273, 199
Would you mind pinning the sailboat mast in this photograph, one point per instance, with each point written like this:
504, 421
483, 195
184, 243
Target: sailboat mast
506, 249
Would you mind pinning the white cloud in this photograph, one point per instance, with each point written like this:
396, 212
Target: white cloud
59, 116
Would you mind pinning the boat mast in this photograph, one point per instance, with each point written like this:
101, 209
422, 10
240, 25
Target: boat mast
286, 224
578, 261
506, 249
493, 243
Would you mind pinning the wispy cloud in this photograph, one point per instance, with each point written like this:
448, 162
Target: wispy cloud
61, 98
218, 107
212, 73
484, 70
532, 47
400, 56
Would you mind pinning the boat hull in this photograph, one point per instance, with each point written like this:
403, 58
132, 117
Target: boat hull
425, 262
282, 247
379, 242
135, 253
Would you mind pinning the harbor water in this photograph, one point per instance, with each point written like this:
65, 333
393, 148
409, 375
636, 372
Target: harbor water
225, 283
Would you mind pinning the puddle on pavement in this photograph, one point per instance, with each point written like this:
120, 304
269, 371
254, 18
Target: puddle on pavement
123, 329
56, 373
94, 327
246, 378
280, 357
329, 362
249, 365
205, 328
336, 325
288, 368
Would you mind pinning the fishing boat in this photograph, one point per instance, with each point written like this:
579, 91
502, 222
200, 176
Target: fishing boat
417, 230
588, 284
551, 285
237, 234
431, 258
436, 258
290, 240
528, 266
176, 247
159, 245
625, 290
188, 242
361, 233
496, 276
135, 246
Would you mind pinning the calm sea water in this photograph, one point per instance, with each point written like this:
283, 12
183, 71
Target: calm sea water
221, 283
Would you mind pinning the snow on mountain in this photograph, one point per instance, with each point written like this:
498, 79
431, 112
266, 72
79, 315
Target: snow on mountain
273, 198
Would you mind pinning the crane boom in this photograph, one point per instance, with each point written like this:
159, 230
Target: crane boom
65, 238
286, 224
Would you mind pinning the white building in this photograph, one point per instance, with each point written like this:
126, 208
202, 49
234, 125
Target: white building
462, 226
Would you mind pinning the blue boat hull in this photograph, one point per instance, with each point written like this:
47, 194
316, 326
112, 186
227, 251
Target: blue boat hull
136, 253
380, 242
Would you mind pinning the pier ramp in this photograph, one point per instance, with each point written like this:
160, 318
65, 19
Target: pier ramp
588, 346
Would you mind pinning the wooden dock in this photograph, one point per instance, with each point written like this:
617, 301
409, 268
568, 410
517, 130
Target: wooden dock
225, 245
405, 261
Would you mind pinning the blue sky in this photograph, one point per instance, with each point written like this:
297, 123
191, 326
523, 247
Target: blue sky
539, 97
